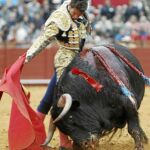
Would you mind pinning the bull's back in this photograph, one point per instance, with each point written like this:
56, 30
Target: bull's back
136, 81
127, 75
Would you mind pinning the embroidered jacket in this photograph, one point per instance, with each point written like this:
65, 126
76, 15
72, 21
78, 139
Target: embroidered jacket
69, 34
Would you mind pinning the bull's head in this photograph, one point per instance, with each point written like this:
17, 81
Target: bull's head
71, 122
65, 101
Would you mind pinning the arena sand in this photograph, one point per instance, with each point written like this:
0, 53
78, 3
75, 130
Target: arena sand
121, 141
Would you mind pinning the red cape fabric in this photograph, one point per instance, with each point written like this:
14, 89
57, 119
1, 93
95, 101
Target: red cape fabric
26, 130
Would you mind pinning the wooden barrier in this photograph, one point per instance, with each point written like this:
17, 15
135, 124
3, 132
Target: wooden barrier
41, 67
143, 55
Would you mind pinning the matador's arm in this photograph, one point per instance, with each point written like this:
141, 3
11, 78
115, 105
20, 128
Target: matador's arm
42, 41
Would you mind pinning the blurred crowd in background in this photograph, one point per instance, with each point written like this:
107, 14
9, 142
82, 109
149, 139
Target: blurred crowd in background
21, 22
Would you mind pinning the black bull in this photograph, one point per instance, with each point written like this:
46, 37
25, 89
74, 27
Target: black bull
93, 114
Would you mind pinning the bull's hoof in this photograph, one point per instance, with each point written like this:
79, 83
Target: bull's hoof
139, 147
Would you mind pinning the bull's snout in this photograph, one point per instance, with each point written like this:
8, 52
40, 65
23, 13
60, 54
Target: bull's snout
90, 144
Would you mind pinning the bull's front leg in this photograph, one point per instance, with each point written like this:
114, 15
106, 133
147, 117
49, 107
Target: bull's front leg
136, 131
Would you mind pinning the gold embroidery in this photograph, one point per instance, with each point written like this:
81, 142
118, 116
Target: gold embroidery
71, 46
61, 18
42, 41
82, 31
62, 59
70, 33
76, 32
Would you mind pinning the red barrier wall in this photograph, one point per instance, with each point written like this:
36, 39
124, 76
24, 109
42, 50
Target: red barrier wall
41, 67
143, 56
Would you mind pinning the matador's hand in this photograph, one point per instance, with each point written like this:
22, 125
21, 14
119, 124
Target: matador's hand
28, 58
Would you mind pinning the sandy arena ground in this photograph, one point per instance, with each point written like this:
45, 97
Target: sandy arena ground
121, 141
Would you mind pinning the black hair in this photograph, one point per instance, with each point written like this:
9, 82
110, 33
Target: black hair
81, 5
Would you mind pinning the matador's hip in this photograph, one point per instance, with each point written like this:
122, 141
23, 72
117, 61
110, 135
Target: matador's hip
62, 59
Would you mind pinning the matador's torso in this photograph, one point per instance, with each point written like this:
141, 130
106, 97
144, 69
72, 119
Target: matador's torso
69, 34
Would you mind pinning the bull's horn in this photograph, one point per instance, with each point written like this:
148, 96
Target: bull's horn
68, 102
51, 130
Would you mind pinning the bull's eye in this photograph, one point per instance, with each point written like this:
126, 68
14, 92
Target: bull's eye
70, 117
113, 106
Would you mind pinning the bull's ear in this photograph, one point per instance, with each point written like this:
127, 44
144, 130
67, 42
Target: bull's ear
75, 105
